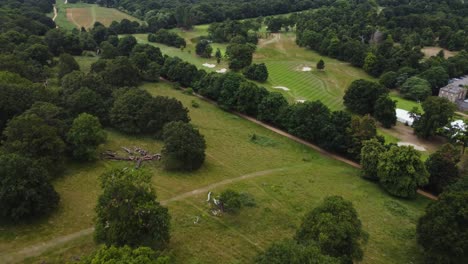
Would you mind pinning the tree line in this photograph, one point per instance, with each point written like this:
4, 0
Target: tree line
382, 41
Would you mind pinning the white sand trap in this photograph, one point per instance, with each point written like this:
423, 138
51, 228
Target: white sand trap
209, 65
300, 101
416, 147
282, 88
306, 69
223, 70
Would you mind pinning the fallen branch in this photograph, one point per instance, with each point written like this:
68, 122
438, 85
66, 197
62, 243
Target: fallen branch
144, 156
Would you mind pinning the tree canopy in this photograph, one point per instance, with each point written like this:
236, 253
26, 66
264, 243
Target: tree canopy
184, 147
401, 171
443, 230
335, 226
85, 135
128, 213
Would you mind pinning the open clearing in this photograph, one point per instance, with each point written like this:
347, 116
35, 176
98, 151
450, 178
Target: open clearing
85, 15
288, 180
432, 51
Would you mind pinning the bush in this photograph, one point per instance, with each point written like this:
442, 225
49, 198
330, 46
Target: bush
231, 201
256, 72
126, 255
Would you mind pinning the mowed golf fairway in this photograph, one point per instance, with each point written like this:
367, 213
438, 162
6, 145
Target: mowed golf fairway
285, 61
287, 179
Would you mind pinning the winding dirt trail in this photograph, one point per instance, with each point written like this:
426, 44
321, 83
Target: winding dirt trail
38, 249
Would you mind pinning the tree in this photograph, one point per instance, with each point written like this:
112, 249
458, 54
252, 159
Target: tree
290, 252
401, 171
67, 64
270, 107
443, 230
437, 77
361, 96
389, 79
239, 55
127, 212
25, 191
125, 255
442, 168
320, 65
203, 49
249, 96
126, 45
385, 111
218, 55
370, 156
360, 129
231, 201
416, 89
85, 135
30, 136
85, 100
371, 64
121, 72
256, 72
335, 226
437, 113
184, 147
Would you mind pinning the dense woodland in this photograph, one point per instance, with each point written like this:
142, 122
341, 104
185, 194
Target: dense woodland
51, 113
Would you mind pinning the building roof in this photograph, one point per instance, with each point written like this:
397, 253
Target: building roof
455, 86
404, 116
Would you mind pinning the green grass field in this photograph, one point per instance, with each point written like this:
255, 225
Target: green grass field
284, 60
291, 180
79, 15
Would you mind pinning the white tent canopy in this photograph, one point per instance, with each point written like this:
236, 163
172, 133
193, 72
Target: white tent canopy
404, 117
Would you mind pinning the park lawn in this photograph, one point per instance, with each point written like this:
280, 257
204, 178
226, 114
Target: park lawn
403, 103
294, 179
85, 62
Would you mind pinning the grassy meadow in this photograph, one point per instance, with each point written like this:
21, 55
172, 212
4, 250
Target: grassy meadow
79, 15
286, 179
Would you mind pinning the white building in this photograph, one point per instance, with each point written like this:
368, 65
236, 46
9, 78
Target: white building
404, 117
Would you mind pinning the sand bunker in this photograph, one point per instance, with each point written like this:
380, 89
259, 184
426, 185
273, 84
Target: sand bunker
300, 101
209, 65
223, 70
282, 88
416, 147
306, 69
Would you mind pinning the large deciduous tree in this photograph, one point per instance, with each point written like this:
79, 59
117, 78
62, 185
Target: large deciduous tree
67, 64
361, 96
385, 111
184, 147
370, 156
437, 113
335, 226
30, 136
128, 212
401, 171
360, 129
416, 89
270, 107
443, 230
85, 135
25, 191
442, 168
